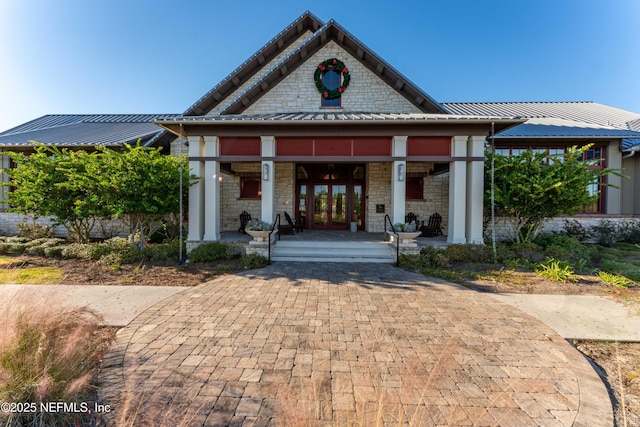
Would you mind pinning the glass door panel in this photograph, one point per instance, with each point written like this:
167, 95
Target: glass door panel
339, 206
357, 204
321, 205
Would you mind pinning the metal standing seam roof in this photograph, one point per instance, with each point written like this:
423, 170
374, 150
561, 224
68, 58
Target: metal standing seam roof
77, 130
587, 112
324, 117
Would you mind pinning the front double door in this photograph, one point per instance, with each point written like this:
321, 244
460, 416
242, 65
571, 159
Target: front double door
330, 206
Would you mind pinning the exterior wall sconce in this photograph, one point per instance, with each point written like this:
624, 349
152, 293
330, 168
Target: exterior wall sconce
401, 172
265, 172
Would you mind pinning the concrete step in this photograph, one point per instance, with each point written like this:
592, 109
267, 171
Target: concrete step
338, 251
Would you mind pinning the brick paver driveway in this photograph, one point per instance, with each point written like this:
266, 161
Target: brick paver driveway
345, 344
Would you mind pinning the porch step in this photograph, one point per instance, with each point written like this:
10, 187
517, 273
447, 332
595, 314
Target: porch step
332, 251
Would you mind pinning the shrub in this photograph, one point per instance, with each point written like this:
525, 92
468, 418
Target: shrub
53, 252
95, 251
253, 261
630, 232
529, 253
468, 253
559, 271
605, 233
48, 354
433, 257
163, 251
575, 229
209, 252
568, 249
33, 230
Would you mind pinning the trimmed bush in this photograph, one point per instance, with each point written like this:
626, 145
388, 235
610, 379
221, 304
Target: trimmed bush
468, 253
253, 261
53, 252
209, 252
33, 230
163, 251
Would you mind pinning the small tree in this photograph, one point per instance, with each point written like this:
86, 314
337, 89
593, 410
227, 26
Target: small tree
52, 182
533, 186
143, 187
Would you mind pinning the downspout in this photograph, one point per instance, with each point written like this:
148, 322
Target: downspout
631, 153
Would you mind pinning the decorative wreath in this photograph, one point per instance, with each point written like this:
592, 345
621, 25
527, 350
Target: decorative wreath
335, 65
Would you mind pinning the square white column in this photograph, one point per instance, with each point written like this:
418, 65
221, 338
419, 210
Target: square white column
475, 190
457, 191
212, 178
398, 179
398, 191
196, 191
267, 173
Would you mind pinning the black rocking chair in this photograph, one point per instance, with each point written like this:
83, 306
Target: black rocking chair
432, 229
245, 217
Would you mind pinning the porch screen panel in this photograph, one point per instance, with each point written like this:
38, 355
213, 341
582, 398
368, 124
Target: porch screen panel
429, 146
231, 146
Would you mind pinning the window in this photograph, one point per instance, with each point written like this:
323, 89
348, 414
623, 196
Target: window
414, 188
331, 80
250, 188
595, 157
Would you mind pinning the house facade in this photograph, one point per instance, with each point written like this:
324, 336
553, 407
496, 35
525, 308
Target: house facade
267, 141
318, 126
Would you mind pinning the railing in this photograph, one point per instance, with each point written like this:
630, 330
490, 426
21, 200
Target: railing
388, 219
273, 228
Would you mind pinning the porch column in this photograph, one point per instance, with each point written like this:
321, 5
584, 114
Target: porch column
267, 173
475, 189
398, 179
5, 163
457, 191
613, 195
196, 191
212, 180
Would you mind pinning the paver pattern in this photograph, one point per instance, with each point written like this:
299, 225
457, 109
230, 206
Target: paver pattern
345, 344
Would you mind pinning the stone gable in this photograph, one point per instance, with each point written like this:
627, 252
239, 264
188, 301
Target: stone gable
259, 74
366, 91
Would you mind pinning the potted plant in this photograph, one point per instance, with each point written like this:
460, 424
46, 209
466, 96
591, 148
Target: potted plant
257, 229
406, 232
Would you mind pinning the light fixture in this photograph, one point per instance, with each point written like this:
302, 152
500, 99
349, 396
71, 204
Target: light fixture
401, 172
265, 172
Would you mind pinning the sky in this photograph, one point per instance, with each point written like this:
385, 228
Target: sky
161, 56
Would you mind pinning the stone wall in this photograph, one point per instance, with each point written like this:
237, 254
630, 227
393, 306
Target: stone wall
284, 200
378, 192
104, 229
260, 74
557, 224
435, 198
231, 205
366, 91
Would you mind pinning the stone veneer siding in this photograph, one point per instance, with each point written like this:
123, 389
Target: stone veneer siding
435, 196
378, 191
224, 103
284, 200
366, 91
231, 205
556, 225
103, 229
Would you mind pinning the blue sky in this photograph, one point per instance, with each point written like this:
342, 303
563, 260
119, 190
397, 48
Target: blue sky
160, 56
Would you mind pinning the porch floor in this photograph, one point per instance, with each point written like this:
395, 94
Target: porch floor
333, 236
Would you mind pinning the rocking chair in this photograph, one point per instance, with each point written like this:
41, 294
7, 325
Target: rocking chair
245, 217
432, 229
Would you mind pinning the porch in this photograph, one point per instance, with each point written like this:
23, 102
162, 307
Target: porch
334, 246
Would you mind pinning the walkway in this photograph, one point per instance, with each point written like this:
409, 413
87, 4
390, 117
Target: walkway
336, 344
